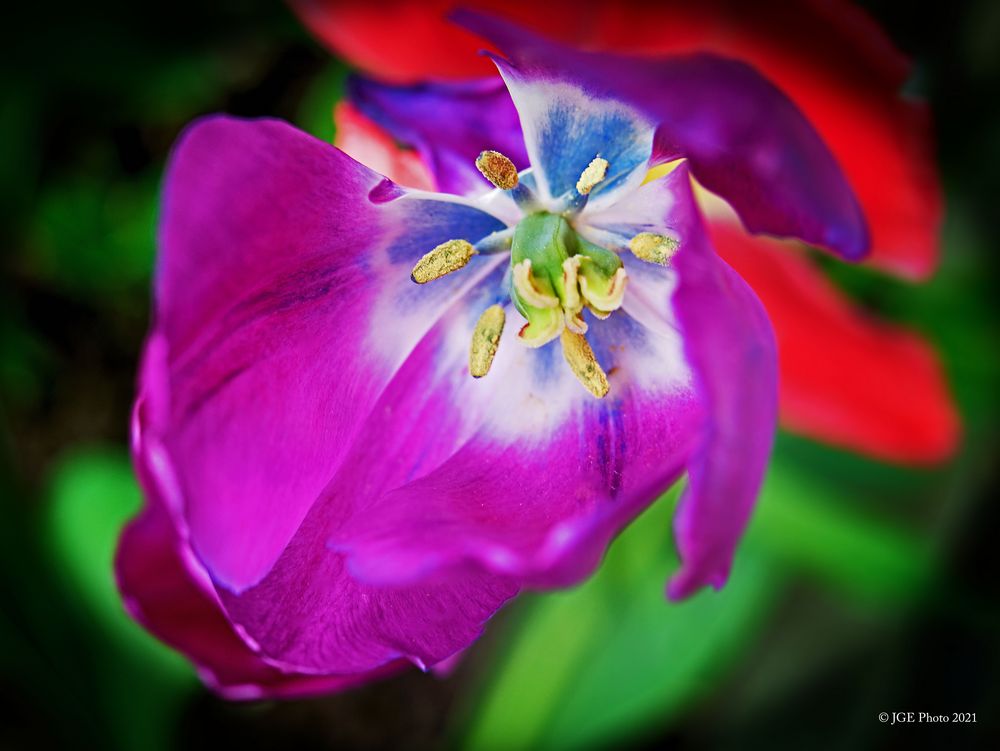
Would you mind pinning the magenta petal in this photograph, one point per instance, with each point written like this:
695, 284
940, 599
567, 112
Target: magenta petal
166, 589
543, 474
734, 356
160, 592
309, 616
730, 345
310, 612
449, 124
283, 307
438, 514
744, 139
542, 509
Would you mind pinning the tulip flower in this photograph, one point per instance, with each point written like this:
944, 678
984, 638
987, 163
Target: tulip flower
368, 415
893, 402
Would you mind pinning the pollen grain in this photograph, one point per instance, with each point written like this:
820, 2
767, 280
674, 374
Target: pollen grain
485, 340
498, 169
447, 257
592, 176
584, 365
653, 248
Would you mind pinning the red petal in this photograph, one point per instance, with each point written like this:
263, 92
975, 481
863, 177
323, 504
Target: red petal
835, 63
829, 57
846, 378
366, 142
404, 41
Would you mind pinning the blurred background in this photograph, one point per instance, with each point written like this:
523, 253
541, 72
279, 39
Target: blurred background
861, 587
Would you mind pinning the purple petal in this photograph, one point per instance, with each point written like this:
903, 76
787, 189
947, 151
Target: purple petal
565, 130
310, 612
448, 123
530, 476
743, 138
166, 589
735, 358
161, 593
729, 342
550, 473
283, 308
441, 513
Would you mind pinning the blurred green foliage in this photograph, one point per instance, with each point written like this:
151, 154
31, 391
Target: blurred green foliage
612, 659
93, 494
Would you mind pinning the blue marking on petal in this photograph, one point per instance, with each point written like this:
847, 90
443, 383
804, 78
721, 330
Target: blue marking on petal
492, 290
566, 127
547, 365
430, 223
611, 445
570, 136
609, 337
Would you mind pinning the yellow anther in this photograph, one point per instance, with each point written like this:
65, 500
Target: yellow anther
485, 340
592, 176
584, 365
498, 169
445, 258
526, 288
648, 246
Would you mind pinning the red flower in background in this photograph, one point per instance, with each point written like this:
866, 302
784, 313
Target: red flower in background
846, 378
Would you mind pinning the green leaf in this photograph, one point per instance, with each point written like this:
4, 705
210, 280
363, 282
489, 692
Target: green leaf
315, 112
142, 683
95, 236
613, 658
808, 525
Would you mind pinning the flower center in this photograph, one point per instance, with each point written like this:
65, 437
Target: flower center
555, 273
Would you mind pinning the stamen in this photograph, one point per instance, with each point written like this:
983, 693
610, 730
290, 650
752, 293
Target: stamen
485, 340
653, 248
445, 258
592, 176
498, 169
584, 365
525, 287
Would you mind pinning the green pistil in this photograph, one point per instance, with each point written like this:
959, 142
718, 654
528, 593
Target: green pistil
546, 240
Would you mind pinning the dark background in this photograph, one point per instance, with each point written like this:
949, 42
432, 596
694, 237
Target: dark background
901, 615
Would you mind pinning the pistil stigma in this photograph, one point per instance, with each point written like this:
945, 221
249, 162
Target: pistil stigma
525, 286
